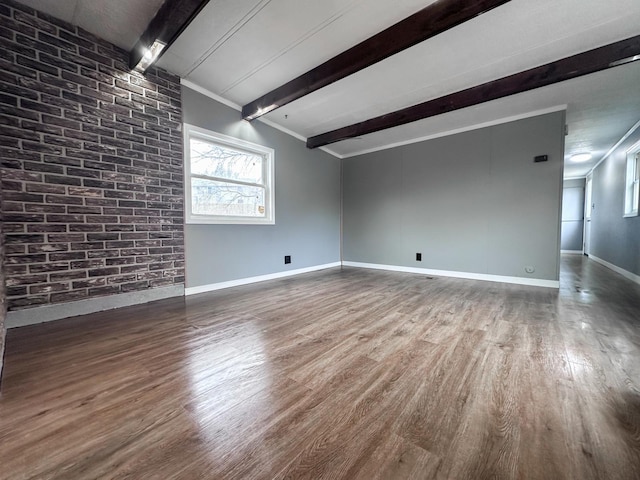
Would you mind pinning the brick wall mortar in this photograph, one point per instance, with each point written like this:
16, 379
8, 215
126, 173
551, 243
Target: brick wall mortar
3, 303
91, 156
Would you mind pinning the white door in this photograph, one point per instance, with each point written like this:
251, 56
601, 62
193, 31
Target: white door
588, 208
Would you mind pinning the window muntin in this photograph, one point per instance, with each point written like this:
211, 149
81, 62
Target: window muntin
228, 180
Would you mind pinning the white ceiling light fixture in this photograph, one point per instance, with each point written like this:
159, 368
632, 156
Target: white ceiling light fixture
171, 19
150, 56
581, 157
633, 58
261, 111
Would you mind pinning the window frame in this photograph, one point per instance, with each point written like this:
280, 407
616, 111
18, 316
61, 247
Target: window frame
192, 131
632, 182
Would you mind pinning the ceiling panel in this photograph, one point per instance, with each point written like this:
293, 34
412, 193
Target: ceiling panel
62, 10
327, 38
282, 39
217, 22
120, 22
266, 37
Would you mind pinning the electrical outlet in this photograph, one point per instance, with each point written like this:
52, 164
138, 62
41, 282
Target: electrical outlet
287, 259
418, 257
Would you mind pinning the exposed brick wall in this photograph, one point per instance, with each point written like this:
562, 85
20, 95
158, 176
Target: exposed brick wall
91, 165
3, 305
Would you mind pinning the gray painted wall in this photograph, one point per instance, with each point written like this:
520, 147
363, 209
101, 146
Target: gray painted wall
472, 202
307, 206
572, 214
613, 238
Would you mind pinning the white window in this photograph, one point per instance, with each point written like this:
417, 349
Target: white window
632, 184
227, 180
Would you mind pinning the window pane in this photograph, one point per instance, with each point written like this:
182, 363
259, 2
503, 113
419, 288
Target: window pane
225, 162
636, 184
220, 198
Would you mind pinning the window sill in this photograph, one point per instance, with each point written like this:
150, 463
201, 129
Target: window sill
229, 221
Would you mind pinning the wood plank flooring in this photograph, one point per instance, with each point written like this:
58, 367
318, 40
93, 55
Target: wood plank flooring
353, 374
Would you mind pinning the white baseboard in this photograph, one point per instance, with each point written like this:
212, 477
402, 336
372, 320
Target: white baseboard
572, 252
625, 273
261, 278
55, 312
467, 275
58, 311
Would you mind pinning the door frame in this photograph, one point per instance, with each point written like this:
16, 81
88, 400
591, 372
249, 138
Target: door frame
588, 214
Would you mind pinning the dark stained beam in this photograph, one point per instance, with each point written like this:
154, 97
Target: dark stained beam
170, 21
571, 67
428, 22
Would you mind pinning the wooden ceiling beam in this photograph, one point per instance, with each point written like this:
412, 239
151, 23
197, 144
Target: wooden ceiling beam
428, 22
170, 21
575, 66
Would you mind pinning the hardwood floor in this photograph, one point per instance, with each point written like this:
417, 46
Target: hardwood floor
354, 374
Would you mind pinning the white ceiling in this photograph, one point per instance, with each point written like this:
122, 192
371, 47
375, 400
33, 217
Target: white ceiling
120, 22
241, 49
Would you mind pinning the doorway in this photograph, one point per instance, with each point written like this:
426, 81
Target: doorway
588, 208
